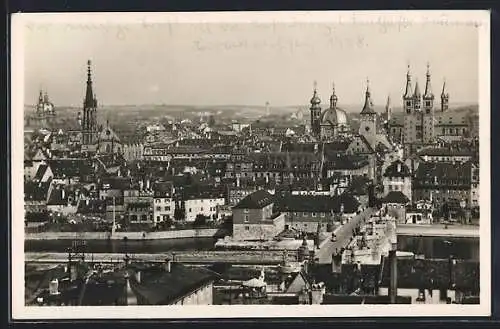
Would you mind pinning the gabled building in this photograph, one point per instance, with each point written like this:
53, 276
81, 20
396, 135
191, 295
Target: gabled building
254, 218
169, 284
443, 182
306, 212
164, 202
397, 177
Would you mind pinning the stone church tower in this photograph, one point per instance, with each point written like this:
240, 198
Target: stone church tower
89, 121
368, 121
428, 111
315, 110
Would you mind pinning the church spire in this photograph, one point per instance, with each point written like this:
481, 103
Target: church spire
40, 97
445, 97
408, 90
428, 88
417, 90
443, 92
368, 107
388, 108
89, 101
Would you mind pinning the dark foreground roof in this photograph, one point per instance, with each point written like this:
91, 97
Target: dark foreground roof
159, 287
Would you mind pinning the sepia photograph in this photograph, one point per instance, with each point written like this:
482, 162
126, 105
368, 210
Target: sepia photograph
264, 164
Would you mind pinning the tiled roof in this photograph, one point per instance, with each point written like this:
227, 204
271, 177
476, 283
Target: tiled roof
316, 203
104, 290
396, 197
346, 162
285, 160
163, 189
159, 287
443, 174
58, 196
337, 146
70, 167
40, 172
434, 273
359, 185
256, 200
91, 206
397, 169
203, 191
445, 151
116, 183
36, 191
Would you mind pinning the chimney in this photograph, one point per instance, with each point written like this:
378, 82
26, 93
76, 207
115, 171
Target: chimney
393, 286
317, 292
54, 287
167, 265
337, 263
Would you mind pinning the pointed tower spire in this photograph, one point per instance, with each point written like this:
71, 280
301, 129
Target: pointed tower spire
417, 90
40, 96
428, 88
368, 107
408, 90
388, 108
89, 94
315, 100
333, 97
445, 97
443, 92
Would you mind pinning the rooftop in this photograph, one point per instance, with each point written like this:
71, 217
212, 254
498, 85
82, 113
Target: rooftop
257, 200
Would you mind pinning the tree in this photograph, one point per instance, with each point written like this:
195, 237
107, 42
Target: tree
179, 214
200, 220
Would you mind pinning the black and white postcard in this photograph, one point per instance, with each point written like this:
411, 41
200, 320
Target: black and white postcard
250, 164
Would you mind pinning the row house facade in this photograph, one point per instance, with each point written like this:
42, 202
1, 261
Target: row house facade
445, 182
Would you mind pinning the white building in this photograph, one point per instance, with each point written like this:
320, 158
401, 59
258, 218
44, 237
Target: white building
163, 204
201, 205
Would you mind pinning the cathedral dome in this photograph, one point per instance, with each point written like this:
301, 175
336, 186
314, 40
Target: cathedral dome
334, 116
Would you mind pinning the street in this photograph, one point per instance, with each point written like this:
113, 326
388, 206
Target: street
344, 234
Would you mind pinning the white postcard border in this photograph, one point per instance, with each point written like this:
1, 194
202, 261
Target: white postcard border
20, 21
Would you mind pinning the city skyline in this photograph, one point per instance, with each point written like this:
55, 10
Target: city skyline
293, 56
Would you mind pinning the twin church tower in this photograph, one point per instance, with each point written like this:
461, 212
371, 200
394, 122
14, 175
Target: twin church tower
418, 124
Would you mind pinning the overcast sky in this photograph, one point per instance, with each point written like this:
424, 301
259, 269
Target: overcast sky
247, 64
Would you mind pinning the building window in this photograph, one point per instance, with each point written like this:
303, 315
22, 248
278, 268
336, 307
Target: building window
247, 228
167, 208
245, 219
314, 214
189, 209
158, 208
245, 211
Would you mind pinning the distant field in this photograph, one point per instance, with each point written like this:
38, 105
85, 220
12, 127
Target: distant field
132, 114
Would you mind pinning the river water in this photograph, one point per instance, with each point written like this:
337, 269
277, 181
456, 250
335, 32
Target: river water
431, 247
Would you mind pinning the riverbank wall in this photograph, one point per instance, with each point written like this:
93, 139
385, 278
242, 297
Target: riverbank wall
457, 231
162, 235
193, 257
